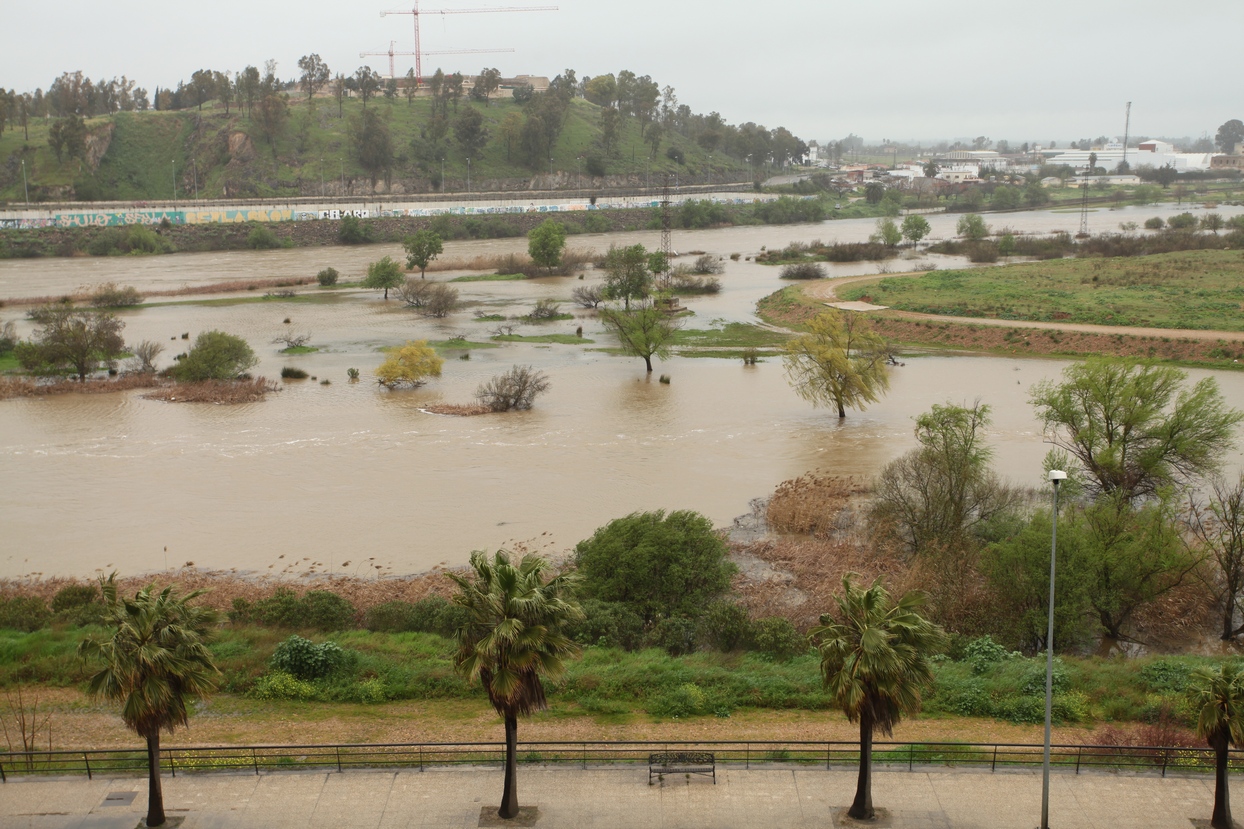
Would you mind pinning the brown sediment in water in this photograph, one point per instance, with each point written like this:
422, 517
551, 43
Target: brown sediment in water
11, 387
215, 391
457, 410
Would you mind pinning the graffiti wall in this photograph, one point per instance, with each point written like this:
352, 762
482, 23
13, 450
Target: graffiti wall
204, 217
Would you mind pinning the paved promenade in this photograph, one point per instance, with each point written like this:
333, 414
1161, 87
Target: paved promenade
567, 797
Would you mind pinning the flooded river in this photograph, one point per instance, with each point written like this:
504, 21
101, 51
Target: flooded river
351, 477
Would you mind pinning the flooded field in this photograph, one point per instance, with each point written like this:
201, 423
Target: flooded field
351, 477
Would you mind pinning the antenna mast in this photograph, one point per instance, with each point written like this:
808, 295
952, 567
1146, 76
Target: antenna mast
1127, 128
416, 12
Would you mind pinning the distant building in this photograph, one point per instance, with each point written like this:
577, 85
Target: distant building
1146, 154
1234, 161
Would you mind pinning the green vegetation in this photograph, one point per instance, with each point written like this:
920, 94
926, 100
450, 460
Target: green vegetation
736, 335
490, 277
410, 365
458, 343
1190, 289
215, 356
558, 339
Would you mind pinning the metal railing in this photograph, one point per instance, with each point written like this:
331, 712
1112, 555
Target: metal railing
610, 755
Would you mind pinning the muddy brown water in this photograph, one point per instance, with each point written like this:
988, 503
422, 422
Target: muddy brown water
351, 477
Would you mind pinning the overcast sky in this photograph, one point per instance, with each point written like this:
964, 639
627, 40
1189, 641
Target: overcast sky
902, 69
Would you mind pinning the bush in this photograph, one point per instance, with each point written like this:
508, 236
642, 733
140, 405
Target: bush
588, 296
803, 270
1184, 221
608, 625
109, 295
431, 615
658, 565
75, 596
1033, 681
517, 389
215, 356
303, 659
725, 626
983, 653
546, 309
327, 277
24, 613
676, 635
708, 265
777, 638
261, 237
686, 700
291, 373
283, 686
1166, 676
285, 608
351, 231
1155, 223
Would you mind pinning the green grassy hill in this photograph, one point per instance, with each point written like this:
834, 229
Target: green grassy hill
314, 153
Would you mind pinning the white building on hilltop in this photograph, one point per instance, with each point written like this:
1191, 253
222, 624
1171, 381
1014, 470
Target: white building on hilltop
1146, 154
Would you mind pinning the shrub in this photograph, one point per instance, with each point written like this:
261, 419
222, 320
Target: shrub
327, 277
708, 265
546, 309
1155, 223
588, 296
608, 625
803, 270
982, 252
431, 615
676, 635
215, 356
285, 608
278, 685
261, 237
777, 638
24, 613
686, 700
983, 653
109, 295
725, 626
351, 231
516, 389
1033, 681
291, 373
75, 596
303, 659
1184, 221
1166, 676
410, 365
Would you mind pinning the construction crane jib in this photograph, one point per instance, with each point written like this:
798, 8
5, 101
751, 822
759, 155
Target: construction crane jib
417, 12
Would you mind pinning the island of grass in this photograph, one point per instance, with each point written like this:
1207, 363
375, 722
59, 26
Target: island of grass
1200, 290
490, 277
556, 339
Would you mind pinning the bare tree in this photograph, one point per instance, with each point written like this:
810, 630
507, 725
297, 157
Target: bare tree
292, 340
516, 389
144, 357
442, 300
1218, 525
589, 296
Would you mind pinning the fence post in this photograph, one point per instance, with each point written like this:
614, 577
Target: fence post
747, 756
1079, 754
829, 748
172, 763
420, 758
911, 755
1166, 755
255, 762
994, 765
87, 761
339, 759
585, 756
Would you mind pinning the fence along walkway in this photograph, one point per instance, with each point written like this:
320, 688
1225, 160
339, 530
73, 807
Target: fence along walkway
606, 755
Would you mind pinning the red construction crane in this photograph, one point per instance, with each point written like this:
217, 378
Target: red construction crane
393, 52
416, 12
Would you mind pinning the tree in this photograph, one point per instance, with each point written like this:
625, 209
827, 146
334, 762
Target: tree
643, 331
215, 356
339, 87
517, 389
545, 244
372, 142
314, 75
1230, 134
224, 89
627, 275
71, 339
658, 564
887, 233
470, 131
915, 228
1134, 427
1218, 526
972, 226
366, 83
421, 249
488, 82
931, 169
653, 136
874, 663
1218, 697
514, 635
270, 116
933, 497
610, 126
411, 88
155, 662
511, 131
839, 361
385, 274
410, 365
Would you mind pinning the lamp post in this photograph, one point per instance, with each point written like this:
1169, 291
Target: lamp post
468, 175
323, 191
174, 163
25, 186
550, 167
343, 176
1057, 476
442, 174
195, 162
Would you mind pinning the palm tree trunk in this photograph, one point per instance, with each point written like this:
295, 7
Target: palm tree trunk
509, 798
155, 794
1222, 792
862, 808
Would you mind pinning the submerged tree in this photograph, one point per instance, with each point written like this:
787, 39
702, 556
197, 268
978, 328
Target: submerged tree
840, 362
874, 663
644, 331
514, 635
156, 662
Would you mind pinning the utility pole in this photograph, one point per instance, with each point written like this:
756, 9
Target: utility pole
174, 163
1127, 128
195, 162
25, 186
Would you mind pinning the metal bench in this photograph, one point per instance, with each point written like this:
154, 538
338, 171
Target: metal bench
662, 763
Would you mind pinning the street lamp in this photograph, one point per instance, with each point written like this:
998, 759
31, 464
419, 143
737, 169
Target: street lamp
1057, 476
195, 162
323, 191
25, 186
174, 163
468, 175
442, 174
550, 166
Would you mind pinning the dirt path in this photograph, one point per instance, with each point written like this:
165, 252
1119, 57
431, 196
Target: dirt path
826, 291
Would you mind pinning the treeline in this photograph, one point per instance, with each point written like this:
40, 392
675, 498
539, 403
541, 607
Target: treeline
72, 94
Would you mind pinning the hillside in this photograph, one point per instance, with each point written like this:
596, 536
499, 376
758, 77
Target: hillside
134, 156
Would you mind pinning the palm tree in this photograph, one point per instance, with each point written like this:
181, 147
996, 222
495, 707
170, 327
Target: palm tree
1219, 698
513, 635
874, 662
155, 661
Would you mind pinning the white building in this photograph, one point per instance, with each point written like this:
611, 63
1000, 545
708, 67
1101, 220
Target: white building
1147, 154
